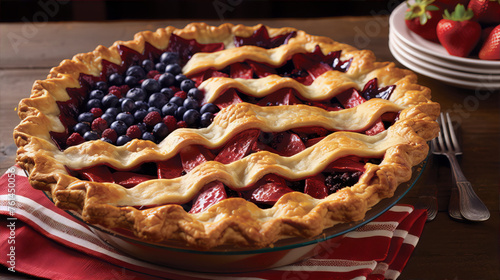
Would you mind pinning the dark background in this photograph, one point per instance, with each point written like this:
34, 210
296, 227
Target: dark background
98, 10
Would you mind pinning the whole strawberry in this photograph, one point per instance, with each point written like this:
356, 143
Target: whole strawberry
491, 47
457, 32
486, 11
422, 18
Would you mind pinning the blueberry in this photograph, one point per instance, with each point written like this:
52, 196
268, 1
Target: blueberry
151, 109
170, 58
142, 126
168, 92
206, 119
136, 94
90, 135
110, 100
191, 117
86, 117
113, 111
150, 85
190, 103
136, 71
179, 113
177, 100
148, 65
126, 118
93, 103
96, 94
179, 78
148, 136
81, 128
166, 80
186, 85
195, 93
115, 79
209, 107
127, 105
119, 126
169, 109
107, 140
108, 117
160, 131
160, 67
140, 114
141, 105
157, 100
101, 85
122, 140
174, 69
131, 81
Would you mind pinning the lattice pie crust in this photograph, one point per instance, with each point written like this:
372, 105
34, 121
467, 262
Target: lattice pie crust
235, 220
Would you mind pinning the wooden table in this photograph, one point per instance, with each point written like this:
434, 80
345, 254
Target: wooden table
447, 249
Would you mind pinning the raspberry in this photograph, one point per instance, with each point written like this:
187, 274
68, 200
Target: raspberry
99, 125
115, 91
152, 118
74, 139
182, 124
123, 89
110, 134
134, 132
181, 94
171, 122
151, 74
97, 112
157, 77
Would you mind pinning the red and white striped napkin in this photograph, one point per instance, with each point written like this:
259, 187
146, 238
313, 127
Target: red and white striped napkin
41, 240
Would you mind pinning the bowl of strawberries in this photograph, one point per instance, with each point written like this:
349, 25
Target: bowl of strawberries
455, 41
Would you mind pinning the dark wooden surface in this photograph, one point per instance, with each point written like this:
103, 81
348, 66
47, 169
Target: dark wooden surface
447, 249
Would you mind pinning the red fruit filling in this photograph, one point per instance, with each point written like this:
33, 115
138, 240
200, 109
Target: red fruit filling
156, 124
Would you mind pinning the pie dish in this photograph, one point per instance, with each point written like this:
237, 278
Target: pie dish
228, 135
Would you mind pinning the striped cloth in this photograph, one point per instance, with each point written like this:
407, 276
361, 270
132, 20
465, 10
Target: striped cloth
43, 241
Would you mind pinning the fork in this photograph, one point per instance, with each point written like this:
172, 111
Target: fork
471, 206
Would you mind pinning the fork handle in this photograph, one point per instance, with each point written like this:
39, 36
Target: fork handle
471, 206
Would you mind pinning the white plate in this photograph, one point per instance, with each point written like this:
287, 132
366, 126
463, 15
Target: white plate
424, 57
422, 60
431, 74
396, 21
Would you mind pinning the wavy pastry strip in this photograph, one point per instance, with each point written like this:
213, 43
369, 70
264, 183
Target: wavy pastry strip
227, 123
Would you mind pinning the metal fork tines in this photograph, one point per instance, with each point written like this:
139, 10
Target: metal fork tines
471, 206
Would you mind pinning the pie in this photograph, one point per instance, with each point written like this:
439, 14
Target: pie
228, 135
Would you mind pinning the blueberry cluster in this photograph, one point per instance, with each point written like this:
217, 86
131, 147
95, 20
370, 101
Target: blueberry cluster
148, 101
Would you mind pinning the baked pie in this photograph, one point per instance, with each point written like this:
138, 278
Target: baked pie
228, 135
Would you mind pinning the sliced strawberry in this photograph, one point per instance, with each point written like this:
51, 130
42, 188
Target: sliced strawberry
229, 97
193, 156
261, 70
269, 189
100, 173
238, 147
313, 141
130, 179
371, 90
351, 98
284, 96
261, 38
315, 186
241, 70
198, 78
346, 164
209, 195
317, 130
170, 169
288, 144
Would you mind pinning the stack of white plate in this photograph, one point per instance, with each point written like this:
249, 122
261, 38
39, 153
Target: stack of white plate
432, 60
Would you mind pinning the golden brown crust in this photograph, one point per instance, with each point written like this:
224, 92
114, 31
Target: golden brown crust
235, 220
